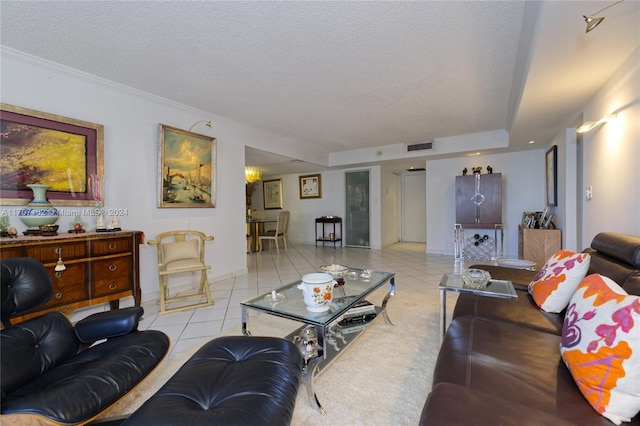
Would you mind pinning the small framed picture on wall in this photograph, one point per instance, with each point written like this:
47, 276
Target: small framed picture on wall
311, 186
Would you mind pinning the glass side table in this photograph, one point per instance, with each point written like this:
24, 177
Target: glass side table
495, 288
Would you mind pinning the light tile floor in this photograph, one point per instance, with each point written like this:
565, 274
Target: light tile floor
267, 271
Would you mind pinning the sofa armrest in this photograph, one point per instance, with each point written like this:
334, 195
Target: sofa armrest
107, 324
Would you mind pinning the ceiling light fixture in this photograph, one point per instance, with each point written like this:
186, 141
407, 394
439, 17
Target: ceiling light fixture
592, 21
590, 125
252, 174
208, 124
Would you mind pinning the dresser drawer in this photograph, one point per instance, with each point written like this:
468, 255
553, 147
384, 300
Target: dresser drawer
111, 246
7, 251
69, 286
67, 250
111, 276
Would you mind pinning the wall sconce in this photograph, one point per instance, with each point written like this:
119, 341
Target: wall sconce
252, 174
590, 125
592, 21
207, 123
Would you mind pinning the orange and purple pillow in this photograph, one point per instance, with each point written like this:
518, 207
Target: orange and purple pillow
601, 347
558, 279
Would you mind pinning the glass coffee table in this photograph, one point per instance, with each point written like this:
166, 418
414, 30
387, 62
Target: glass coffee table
323, 335
495, 288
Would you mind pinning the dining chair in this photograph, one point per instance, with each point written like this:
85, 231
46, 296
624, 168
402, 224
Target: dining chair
282, 226
182, 252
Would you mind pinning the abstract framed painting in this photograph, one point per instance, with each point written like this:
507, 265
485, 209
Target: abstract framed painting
41, 148
186, 169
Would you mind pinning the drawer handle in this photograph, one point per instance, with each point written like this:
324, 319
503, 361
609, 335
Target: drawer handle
112, 246
58, 295
113, 267
113, 286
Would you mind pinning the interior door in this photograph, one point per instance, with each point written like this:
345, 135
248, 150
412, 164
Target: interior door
357, 209
414, 207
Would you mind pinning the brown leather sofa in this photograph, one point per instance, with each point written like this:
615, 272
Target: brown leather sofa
500, 364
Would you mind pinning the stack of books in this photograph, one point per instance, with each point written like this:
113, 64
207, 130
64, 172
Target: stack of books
360, 313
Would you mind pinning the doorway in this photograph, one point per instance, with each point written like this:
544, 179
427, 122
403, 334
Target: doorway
413, 207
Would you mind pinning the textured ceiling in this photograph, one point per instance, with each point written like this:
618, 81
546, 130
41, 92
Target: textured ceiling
346, 75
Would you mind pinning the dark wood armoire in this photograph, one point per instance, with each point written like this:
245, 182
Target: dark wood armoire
479, 200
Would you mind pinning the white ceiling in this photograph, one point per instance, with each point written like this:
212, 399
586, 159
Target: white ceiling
345, 75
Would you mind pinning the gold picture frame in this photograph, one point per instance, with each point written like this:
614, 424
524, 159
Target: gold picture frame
73, 151
272, 194
186, 169
311, 186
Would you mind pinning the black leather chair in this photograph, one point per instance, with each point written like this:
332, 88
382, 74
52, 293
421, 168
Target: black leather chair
53, 372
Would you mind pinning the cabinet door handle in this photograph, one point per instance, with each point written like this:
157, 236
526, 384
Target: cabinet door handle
113, 286
58, 295
113, 267
112, 246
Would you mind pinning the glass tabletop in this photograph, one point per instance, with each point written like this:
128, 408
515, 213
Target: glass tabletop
289, 303
495, 288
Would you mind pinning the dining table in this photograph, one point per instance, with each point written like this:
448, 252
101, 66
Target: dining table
254, 228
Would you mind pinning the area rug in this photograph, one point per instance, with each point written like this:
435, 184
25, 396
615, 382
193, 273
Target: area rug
382, 378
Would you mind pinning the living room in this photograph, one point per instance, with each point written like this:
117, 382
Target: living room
604, 159
608, 156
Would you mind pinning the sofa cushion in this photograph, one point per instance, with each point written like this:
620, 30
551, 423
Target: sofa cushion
515, 364
231, 380
558, 279
180, 250
618, 246
601, 347
445, 400
522, 312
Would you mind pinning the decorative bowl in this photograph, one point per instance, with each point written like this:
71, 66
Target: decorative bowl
476, 278
338, 271
48, 228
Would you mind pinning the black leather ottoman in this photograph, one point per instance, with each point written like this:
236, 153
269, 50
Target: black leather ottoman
234, 380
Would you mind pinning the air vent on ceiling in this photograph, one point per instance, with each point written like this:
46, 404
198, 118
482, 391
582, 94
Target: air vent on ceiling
416, 169
420, 146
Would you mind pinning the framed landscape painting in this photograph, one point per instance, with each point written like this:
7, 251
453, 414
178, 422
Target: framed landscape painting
187, 169
42, 148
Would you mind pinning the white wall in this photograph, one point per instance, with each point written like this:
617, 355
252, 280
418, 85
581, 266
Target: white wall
130, 120
522, 190
612, 155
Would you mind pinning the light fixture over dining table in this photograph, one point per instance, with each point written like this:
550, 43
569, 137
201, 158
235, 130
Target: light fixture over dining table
252, 174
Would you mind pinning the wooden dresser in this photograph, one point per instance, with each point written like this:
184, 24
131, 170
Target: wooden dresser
100, 267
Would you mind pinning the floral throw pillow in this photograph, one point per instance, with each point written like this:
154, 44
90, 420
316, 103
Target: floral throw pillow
558, 279
601, 347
